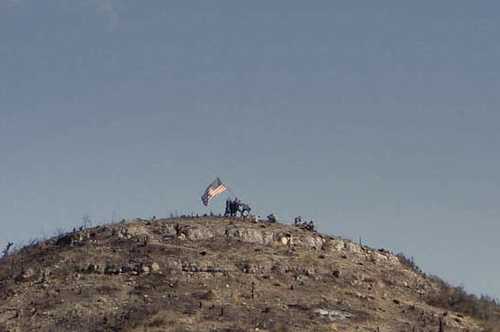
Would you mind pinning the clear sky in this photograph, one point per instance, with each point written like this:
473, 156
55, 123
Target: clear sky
377, 119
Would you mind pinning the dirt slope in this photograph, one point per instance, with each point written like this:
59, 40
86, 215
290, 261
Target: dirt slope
213, 274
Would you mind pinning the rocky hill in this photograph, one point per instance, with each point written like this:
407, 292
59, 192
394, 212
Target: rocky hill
218, 274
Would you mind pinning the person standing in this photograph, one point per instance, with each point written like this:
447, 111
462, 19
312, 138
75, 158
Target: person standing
228, 208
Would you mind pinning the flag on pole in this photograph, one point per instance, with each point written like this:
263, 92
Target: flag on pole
213, 190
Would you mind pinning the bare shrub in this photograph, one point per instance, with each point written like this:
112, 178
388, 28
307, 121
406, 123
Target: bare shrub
86, 222
457, 299
409, 262
5, 252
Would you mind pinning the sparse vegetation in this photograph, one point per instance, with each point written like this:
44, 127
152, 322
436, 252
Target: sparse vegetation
409, 262
194, 273
5, 252
457, 299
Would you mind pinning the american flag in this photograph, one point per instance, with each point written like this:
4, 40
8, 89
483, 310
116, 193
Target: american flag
215, 188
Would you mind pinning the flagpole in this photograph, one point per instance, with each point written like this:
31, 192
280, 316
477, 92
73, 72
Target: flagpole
229, 189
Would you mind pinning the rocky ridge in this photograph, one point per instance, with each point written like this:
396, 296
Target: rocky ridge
214, 274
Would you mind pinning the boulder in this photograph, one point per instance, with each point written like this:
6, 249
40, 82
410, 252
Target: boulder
314, 242
333, 314
249, 235
196, 233
168, 231
112, 269
377, 257
155, 267
283, 239
27, 274
337, 245
354, 248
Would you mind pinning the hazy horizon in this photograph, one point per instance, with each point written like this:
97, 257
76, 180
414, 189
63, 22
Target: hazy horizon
376, 120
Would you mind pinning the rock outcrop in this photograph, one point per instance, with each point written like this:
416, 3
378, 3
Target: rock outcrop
213, 274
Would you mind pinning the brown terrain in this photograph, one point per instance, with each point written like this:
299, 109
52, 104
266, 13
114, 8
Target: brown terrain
219, 274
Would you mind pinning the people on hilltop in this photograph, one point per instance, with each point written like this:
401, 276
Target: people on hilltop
310, 226
234, 206
228, 207
271, 218
304, 224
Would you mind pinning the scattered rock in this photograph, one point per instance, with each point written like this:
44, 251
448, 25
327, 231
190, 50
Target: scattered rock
112, 269
285, 240
284, 264
335, 245
313, 242
27, 274
354, 248
334, 314
310, 272
197, 233
249, 235
155, 267
376, 257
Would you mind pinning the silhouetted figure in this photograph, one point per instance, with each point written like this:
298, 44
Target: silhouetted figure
304, 224
310, 226
271, 218
228, 208
243, 209
234, 207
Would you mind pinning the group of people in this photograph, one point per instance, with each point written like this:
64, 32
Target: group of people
303, 224
233, 206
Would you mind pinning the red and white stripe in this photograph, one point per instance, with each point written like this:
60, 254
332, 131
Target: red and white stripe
214, 192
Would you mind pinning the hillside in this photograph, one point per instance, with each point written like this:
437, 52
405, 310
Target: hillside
218, 274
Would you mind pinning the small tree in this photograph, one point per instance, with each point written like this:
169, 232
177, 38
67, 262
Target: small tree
5, 252
86, 221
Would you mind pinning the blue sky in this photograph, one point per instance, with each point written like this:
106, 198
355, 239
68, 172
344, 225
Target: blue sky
377, 120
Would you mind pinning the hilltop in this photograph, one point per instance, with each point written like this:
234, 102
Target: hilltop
220, 274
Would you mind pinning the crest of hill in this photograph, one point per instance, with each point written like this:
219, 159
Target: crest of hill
220, 274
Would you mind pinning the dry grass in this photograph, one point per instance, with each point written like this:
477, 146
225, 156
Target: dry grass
457, 299
206, 284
